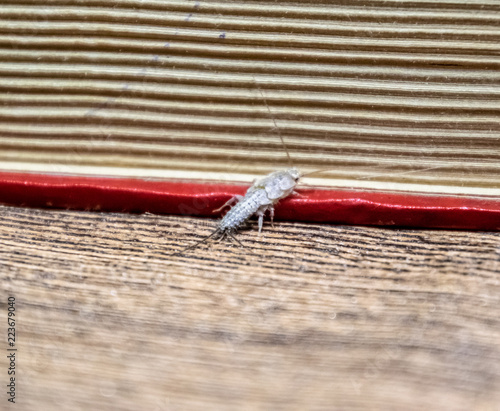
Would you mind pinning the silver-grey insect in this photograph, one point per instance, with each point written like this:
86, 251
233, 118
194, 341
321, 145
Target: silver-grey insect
261, 197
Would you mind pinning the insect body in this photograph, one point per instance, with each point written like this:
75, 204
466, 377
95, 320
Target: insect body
261, 197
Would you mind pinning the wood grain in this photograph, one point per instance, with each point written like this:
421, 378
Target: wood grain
386, 94
308, 316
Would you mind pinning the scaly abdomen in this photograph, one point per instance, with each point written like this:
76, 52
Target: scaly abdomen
243, 210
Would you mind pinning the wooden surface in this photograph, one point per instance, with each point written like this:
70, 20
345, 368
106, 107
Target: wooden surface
386, 94
309, 317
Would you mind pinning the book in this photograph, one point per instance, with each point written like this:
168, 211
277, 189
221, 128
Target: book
386, 101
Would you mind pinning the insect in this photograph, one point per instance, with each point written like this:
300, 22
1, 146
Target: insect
260, 198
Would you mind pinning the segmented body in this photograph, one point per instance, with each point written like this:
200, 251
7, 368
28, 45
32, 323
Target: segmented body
261, 197
246, 207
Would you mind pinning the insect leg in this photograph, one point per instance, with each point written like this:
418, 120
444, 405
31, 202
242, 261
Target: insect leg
236, 198
261, 219
261, 212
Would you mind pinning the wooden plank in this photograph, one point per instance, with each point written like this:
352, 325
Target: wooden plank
309, 317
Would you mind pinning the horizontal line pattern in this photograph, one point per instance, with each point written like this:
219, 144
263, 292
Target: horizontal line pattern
298, 319
406, 92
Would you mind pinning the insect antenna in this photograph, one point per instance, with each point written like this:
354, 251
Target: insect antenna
376, 175
190, 247
402, 173
240, 243
289, 158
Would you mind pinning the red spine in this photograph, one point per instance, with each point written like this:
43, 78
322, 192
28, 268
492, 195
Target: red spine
189, 198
